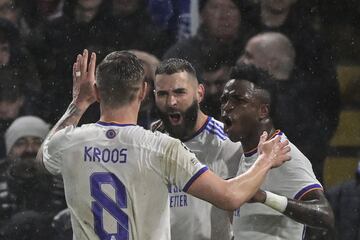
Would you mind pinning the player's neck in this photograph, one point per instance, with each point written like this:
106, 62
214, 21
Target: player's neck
123, 115
201, 119
252, 141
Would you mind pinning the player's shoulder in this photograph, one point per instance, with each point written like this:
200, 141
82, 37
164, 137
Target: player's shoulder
73, 131
215, 129
298, 159
70, 135
152, 140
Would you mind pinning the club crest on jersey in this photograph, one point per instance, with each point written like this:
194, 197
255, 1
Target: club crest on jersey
110, 133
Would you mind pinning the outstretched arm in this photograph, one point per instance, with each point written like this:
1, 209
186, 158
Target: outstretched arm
231, 194
312, 209
83, 97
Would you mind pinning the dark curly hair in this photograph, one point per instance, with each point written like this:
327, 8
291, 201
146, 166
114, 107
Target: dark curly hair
261, 79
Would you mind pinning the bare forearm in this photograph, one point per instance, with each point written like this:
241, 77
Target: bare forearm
314, 213
229, 194
312, 210
244, 186
72, 116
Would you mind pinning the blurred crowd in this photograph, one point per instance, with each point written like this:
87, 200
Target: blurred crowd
39, 40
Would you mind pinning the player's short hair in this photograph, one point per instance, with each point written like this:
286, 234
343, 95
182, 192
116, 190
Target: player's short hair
175, 65
261, 79
119, 77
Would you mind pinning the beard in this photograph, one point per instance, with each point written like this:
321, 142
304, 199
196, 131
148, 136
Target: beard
186, 128
23, 166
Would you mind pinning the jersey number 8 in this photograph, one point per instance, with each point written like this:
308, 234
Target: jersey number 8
103, 201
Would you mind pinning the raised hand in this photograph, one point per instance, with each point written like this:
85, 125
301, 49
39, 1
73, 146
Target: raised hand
84, 79
274, 151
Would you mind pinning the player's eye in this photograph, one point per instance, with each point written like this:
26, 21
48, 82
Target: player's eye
161, 93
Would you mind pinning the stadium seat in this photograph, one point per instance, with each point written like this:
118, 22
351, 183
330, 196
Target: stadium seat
349, 80
348, 131
338, 170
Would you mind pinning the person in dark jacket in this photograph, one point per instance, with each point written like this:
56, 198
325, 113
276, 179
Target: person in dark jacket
306, 109
345, 201
220, 38
28, 200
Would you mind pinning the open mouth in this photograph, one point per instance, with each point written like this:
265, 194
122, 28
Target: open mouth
175, 118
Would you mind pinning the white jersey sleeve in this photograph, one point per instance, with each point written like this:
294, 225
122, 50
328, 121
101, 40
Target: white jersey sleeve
52, 156
299, 176
292, 179
180, 166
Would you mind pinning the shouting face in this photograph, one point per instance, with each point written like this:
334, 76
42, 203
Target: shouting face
240, 109
177, 98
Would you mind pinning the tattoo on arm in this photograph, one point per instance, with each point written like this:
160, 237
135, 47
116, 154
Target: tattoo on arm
72, 116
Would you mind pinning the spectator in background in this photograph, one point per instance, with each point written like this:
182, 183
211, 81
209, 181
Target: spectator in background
220, 38
37, 14
315, 58
178, 17
14, 54
28, 200
345, 201
38, 11
14, 101
81, 26
306, 110
130, 27
147, 113
214, 80
11, 10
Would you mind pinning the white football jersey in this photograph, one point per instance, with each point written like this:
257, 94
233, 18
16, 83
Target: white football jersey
292, 179
190, 216
116, 179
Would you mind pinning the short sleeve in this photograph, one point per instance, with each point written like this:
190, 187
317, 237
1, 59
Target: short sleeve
180, 165
299, 175
52, 157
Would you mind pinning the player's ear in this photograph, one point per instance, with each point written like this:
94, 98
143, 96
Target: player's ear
97, 95
200, 92
143, 91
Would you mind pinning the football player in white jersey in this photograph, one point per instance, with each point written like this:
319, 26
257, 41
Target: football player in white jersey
116, 173
177, 97
299, 199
